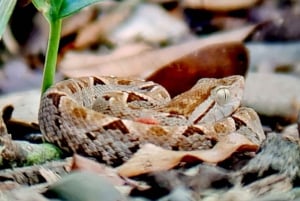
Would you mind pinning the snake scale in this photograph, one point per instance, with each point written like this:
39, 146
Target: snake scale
109, 118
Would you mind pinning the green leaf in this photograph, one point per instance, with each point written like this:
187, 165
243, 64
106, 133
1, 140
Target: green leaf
49, 8
6, 9
71, 6
58, 9
42, 5
55, 9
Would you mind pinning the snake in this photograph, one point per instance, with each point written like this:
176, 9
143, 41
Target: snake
110, 118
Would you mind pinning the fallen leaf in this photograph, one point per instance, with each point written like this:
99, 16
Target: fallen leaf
143, 65
152, 158
77, 60
80, 163
49, 175
219, 5
3, 129
150, 23
217, 61
10, 42
99, 29
25, 105
74, 23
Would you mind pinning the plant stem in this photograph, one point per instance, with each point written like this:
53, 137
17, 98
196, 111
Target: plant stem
51, 55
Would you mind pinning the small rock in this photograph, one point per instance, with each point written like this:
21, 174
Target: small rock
264, 56
273, 95
83, 186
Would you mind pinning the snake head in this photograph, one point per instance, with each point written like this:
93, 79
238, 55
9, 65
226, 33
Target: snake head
209, 100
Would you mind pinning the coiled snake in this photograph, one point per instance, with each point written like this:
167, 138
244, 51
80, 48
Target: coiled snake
109, 118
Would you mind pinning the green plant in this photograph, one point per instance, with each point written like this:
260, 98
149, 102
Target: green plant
54, 11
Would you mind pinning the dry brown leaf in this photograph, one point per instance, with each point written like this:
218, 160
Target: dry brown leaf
49, 175
152, 158
143, 65
17, 126
219, 5
10, 42
150, 23
227, 22
78, 21
100, 28
74, 60
80, 163
217, 60
25, 105
3, 129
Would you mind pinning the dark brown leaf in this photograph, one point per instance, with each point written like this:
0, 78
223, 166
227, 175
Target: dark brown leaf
217, 60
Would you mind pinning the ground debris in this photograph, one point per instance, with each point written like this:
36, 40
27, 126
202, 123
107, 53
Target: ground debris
277, 155
32, 174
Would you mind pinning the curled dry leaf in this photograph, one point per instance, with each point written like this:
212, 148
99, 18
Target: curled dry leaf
152, 158
18, 127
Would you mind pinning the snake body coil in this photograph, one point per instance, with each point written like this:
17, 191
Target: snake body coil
109, 117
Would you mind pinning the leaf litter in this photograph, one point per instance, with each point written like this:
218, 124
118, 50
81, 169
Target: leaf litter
236, 168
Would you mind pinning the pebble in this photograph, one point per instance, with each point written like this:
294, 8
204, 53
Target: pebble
273, 94
83, 186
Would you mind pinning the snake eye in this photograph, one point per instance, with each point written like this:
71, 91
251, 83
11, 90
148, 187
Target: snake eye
222, 96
